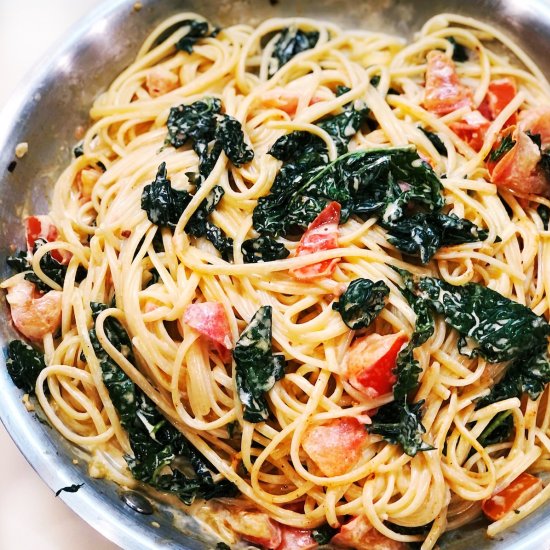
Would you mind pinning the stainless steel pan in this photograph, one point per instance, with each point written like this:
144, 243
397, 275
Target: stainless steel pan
56, 98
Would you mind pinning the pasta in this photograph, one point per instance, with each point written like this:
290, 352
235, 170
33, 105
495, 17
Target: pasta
301, 465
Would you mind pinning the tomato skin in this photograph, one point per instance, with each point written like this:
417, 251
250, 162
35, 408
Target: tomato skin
322, 234
519, 168
296, 539
258, 528
443, 92
210, 320
336, 446
359, 534
42, 227
371, 361
499, 94
472, 129
520, 491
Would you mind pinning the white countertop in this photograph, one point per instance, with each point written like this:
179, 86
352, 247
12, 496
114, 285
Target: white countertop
31, 518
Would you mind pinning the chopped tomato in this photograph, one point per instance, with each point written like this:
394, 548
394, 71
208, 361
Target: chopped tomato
359, 534
519, 168
537, 121
285, 100
499, 94
42, 227
322, 234
296, 539
210, 319
444, 92
258, 528
371, 361
160, 81
520, 491
472, 129
337, 446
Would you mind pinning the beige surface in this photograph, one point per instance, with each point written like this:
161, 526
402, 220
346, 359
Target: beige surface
31, 518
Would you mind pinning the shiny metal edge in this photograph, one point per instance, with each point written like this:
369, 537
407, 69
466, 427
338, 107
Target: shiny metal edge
97, 502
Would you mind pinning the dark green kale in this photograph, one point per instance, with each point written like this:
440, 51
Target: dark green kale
342, 127
400, 423
24, 365
221, 242
196, 122
361, 303
489, 324
424, 233
497, 329
305, 155
230, 134
544, 163
263, 249
78, 150
544, 213
257, 369
393, 184
460, 52
70, 489
197, 30
290, 43
435, 141
158, 447
209, 132
503, 147
222, 546
529, 373
165, 205
322, 535
498, 430
50, 266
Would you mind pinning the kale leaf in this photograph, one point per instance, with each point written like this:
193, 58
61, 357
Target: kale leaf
322, 535
499, 328
498, 430
544, 213
196, 122
400, 423
158, 447
197, 30
24, 365
290, 43
544, 163
435, 141
460, 52
210, 133
50, 266
361, 303
495, 328
305, 155
263, 249
393, 184
230, 134
503, 147
257, 369
70, 489
164, 206
343, 126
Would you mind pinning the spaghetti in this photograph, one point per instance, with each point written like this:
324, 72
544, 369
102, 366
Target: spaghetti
288, 77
